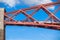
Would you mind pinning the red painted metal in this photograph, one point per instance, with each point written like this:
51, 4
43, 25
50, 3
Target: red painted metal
33, 22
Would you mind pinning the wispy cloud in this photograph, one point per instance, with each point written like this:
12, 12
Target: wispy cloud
10, 3
38, 2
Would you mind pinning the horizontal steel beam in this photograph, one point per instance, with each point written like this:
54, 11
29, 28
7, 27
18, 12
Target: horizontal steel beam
35, 24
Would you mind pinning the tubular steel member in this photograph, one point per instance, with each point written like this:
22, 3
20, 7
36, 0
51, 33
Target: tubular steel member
34, 23
45, 5
50, 14
55, 11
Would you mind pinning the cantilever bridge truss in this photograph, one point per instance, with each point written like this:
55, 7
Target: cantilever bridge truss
30, 21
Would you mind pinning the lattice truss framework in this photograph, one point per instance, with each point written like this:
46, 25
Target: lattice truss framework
30, 21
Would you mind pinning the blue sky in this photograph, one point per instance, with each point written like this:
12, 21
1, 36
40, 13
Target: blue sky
29, 33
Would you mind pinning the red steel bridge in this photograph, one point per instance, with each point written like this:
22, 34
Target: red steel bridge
30, 21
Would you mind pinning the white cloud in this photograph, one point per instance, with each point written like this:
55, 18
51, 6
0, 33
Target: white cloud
38, 2
0, 0
10, 3
51, 7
